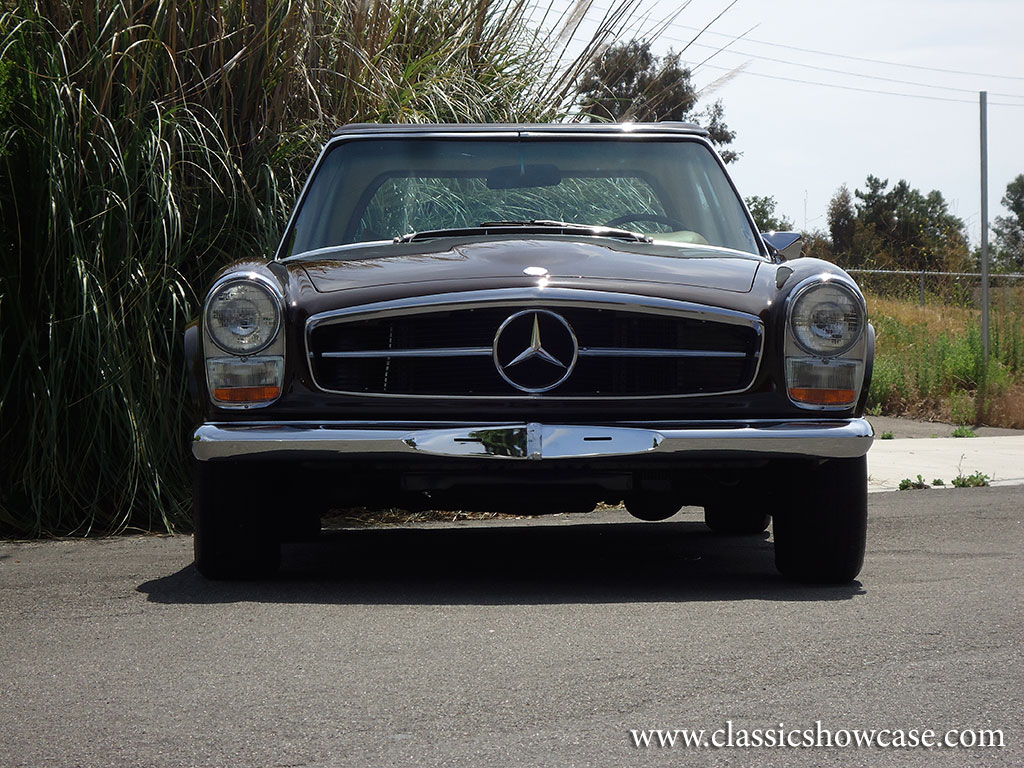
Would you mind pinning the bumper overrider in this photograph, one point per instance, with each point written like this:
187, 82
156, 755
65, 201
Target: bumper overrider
825, 439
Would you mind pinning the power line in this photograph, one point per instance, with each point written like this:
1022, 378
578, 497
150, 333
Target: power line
705, 31
722, 49
858, 58
735, 38
862, 90
845, 72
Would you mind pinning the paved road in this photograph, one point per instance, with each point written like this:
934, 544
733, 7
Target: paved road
520, 645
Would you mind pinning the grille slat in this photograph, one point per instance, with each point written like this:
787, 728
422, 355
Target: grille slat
448, 352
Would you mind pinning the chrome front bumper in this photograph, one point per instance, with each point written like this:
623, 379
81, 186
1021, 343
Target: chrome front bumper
845, 438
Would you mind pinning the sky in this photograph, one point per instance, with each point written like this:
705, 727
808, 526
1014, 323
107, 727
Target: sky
801, 140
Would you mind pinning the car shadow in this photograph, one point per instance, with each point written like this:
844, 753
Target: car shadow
511, 565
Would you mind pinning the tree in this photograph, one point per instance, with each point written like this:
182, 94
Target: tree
816, 245
628, 82
1009, 230
907, 229
842, 221
763, 211
712, 118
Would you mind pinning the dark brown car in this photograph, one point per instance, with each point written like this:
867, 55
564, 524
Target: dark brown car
533, 318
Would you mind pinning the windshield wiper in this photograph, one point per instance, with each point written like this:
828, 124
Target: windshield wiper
531, 227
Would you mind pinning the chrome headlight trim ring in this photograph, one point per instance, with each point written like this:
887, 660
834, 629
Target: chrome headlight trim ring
265, 284
817, 281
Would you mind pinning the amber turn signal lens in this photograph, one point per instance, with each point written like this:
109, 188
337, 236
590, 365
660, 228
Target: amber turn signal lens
823, 396
823, 383
240, 383
246, 394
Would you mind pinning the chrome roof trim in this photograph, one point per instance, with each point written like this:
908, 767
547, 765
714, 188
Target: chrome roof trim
490, 129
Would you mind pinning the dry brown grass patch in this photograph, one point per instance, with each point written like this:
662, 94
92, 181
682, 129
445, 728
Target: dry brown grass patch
1007, 408
953, 320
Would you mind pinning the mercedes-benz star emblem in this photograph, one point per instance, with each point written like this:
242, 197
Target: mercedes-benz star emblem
535, 350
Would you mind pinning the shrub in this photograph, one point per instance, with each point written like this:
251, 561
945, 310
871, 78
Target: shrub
962, 407
906, 484
888, 386
143, 146
973, 480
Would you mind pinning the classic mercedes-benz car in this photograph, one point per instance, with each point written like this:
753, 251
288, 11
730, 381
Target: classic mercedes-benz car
533, 318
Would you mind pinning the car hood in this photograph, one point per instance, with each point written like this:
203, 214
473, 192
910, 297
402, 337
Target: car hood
563, 259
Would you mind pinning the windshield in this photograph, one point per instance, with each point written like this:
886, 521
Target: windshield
369, 190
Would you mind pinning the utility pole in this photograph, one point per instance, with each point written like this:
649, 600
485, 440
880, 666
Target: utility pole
984, 224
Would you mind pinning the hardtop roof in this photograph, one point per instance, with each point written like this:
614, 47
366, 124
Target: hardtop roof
596, 128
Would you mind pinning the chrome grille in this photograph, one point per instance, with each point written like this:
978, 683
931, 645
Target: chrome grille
440, 350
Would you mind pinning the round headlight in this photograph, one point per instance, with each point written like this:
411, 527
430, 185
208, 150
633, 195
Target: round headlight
827, 319
243, 316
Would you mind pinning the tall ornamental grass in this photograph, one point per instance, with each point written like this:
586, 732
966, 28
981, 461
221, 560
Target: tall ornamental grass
144, 144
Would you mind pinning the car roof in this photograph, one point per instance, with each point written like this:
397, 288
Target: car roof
595, 128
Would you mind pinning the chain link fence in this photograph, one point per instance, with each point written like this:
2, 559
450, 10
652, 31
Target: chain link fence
959, 289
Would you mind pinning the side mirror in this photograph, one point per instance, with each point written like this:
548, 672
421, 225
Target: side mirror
786, 244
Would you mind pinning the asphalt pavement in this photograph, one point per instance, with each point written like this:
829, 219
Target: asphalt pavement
518, 643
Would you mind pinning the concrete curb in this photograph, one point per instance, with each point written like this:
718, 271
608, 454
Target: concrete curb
890, 461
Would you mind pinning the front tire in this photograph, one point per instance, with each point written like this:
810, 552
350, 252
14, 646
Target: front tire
232, 536
820, 535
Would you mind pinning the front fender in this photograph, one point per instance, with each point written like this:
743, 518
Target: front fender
869, 369
194, 363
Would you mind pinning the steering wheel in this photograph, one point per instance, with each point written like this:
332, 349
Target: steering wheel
668, 221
